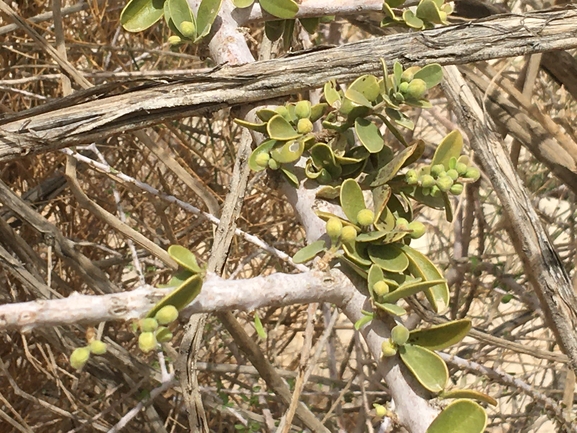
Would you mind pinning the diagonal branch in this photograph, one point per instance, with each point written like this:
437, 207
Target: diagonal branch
74, 121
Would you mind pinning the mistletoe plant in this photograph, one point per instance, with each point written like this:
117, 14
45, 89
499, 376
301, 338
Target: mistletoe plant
376, 187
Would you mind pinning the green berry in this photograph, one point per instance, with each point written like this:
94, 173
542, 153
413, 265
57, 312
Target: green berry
427, 181
426, 191
147, 341
435, 191
174, 40
399, 335
453, 174
416, 89
411, 177
380, 288
461, 168
97, 347
187, 29
334, 227
365, 217
457, 189
380, 410
166, 315
303, 109
349, 234
163, 334
402, 224
273, 164
403, 87
388, 348
473, 174
79, 357
262, 159
304, 126
437, 170
444, 183
148, 325
418, 229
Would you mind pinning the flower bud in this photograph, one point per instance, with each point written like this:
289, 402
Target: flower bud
437, 169
403, 87
97, 347
427, 181
416, 89
473, 174
380, 410
79, 357
147, 341
444, 183
163, 334
418, 229
303, 109
435, 191
457, 189
262, 159
380, 288
453, 174
349, 234
365, 217
411, 177
399, 335
187, 29
148, 325
461, 168
388, 349
334, 227
174, 40
273, 164
304, 126
166, 315
402, 224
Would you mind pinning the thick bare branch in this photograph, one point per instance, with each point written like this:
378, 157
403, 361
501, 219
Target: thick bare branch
73, 121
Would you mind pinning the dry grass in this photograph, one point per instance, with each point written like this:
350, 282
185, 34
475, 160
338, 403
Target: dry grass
39, 391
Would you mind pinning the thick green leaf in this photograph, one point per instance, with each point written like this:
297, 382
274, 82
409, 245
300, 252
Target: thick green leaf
451, 146
181, 296
288, 33
352, 199
285, 9
357, 254
258, 127
400, 119
408, 289
431, 74
261, 332
468, 393
392, 309
323, 157
265, 114
242, 3
331, 93
310, 24
317, 111
395, 3
427, 367
397, 72
371, 236
309, 252
265, 147
439, 337
274, 29
177, 279
290, 177
369, 135
412, 20
328, 192
428, 11
207, 12
184, 258
381, 196
421, 267
363, 320
278, 128
389, 257
367, 86
179, 13
289, 152
138, 15
461, 416
391, 169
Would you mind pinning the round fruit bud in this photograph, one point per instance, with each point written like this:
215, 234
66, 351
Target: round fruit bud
303, 109
365, 217
435, 191
97, 347
187, 29
444, 183
166, 315
403, 87
174, 40
402, 224
388, 349
380, 410
148, 325
380, 288
437, 170
473, 174
262, 159
79, 357
273, 164
304, 126
163, 334
334, 227
427, 181
399, 335
453, 174
411, 177
349, 234
457, 189
416, 89
418, 229
461, 168
147, 341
